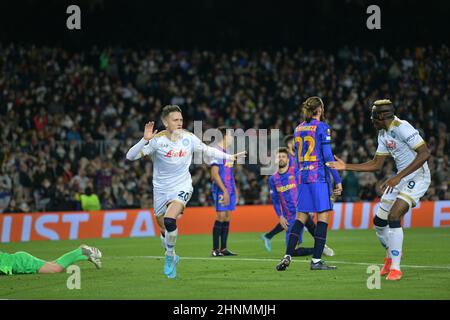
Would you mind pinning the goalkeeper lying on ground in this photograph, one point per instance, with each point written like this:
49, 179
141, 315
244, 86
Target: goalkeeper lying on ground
22, 262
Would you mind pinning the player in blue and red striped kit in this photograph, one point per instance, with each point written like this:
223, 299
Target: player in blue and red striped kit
290, 145
225, 196
267, 237
312, 145
284, 193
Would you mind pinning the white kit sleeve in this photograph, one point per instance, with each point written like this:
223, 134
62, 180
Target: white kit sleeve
140, 149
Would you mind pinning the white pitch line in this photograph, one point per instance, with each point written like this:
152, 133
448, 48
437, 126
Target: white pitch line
275, 260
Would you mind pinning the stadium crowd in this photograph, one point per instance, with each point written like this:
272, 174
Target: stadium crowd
68, 118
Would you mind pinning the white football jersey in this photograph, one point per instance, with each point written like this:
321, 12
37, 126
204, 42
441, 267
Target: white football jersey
401, 141
171, 159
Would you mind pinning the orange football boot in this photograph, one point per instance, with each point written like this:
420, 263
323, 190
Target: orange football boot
394, 274
386, 267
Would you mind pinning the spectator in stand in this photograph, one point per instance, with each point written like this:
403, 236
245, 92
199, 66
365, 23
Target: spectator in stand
5, 190
89, 201
91, 103
350, 185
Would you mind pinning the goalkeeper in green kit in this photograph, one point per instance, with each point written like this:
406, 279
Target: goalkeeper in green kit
22, 262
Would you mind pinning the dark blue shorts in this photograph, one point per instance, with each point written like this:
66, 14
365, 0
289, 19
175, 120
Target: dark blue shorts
218, 201
314, 197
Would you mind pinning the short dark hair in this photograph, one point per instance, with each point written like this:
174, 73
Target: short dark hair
287, 139
169, 109
283, 150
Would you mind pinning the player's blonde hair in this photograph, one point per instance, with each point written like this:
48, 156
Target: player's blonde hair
311, 107
383, 102
387, 113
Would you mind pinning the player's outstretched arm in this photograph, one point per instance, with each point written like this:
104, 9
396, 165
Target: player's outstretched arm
217, 154
373, 165
137, 151
214, 153
238, 155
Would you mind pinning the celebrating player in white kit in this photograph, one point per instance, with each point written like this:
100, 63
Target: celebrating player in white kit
171, 151
401, 141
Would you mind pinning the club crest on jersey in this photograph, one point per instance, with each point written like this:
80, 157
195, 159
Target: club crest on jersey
391, 145
392, 134
185, 142
291, 177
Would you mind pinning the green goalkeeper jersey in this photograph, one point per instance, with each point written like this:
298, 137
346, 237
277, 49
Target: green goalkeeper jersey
6, 263
19, 263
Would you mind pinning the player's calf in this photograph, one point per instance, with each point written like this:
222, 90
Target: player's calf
381, 228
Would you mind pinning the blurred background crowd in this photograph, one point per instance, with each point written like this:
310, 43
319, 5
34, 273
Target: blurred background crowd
68, 118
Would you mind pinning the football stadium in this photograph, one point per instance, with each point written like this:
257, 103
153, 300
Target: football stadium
224, 150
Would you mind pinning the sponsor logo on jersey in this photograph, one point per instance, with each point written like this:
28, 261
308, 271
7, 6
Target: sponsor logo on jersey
391, 145
286, 187
175, 154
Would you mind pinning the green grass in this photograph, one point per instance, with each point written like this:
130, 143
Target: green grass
132, 269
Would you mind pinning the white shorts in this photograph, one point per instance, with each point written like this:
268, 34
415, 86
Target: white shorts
162, 198
410, 189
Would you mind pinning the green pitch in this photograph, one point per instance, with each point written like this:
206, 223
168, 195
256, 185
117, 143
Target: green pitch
133, 269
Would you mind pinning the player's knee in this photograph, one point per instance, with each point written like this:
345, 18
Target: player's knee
170, 224
378, 222
395, 216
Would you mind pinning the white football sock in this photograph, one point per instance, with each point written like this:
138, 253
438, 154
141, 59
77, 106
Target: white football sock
163, 241
171, 239
383, 236
395, 246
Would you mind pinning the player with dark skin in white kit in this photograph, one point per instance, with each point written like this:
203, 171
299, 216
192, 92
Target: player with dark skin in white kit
398, 139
